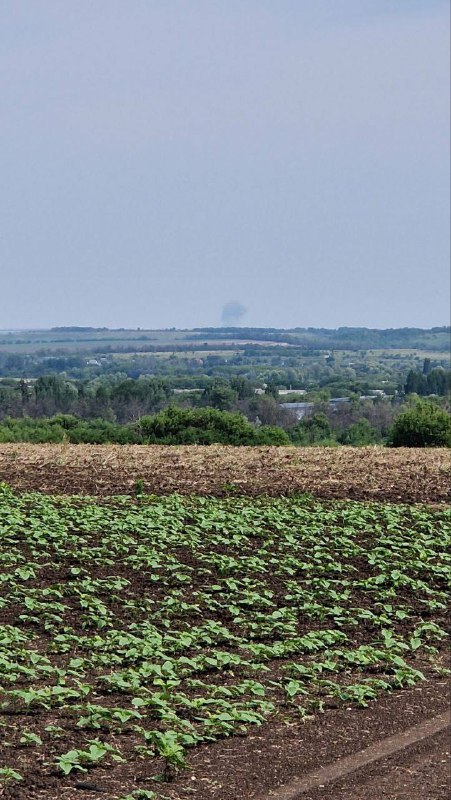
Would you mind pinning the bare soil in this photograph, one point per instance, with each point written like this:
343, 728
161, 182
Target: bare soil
422, 771
421, 746
407, 475
261, 765
256, 767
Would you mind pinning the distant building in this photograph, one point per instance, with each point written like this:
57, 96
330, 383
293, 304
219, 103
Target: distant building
298, 409
301, 409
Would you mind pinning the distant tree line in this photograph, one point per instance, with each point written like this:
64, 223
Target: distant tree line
430, 381
117, 400
171, 427
424, 424
341, 338
120, 401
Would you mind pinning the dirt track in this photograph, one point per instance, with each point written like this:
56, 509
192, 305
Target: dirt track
367, 473
421, 772
422, 747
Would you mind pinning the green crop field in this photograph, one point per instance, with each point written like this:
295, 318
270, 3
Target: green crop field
134, 630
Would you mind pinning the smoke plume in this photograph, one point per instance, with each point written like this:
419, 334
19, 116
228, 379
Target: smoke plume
232, 314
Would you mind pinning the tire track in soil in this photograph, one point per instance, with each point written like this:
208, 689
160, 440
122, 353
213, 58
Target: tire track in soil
389, 746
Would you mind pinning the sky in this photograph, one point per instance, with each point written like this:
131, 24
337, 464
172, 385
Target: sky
163, 159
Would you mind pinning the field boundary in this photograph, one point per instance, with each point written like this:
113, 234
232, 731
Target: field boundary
375, 752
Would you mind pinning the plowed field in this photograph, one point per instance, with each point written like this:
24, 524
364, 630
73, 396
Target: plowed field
368, 473
227, 644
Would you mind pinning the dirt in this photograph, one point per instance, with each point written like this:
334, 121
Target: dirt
270, 758
260, 766
421, 772
408, 475
418, 745
256, 767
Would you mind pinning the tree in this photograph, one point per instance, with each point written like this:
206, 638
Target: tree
205, 426
360, 433
243, 387
438, 382
219, 395
415, 383
54, 393
434, 381
311, 430
424, 425
272, 389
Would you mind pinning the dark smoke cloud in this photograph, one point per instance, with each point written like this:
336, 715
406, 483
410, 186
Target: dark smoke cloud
232, 314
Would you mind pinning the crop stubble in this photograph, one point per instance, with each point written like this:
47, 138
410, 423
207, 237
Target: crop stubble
367, 473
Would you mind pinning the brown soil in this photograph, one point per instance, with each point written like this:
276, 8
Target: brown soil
422, 771
253, 768
367, 473
260, 766
423, 743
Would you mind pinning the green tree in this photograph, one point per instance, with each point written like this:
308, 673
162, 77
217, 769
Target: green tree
205, 426
360, 433
272, 388
424, 425
415, 383
311, 430
243, 387
219, 395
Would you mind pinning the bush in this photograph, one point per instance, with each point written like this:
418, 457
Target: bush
358, 434
172, 426
65, 428
424, 425
271, 435
205, 426
311, 430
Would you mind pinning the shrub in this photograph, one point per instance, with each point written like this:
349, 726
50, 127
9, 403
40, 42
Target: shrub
311, 430
271, 435
172, 426
360, 433
424, 425
205, 426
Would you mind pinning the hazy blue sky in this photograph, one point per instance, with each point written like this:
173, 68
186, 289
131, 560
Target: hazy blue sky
160, 158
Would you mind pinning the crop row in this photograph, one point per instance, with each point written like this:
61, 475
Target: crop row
132, 631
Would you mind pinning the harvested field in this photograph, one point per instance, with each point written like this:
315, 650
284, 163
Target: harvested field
367, 473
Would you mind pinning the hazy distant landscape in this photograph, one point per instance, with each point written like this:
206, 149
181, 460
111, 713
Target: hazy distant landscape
305, 386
